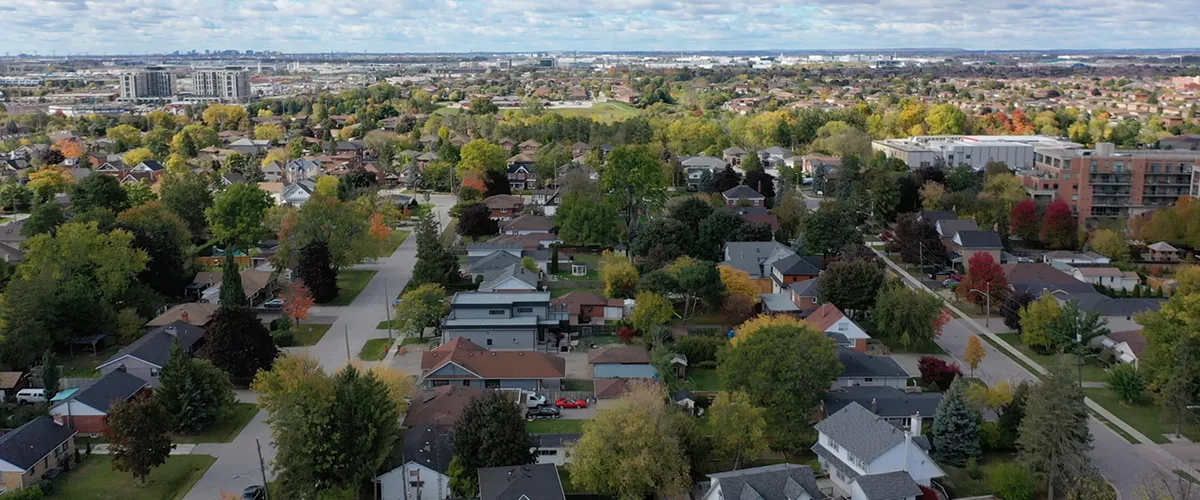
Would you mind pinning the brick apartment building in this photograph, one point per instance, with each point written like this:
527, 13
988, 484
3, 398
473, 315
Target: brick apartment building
1110, 182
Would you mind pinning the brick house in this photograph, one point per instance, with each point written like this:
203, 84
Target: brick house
504, 206
86, 409
28, 452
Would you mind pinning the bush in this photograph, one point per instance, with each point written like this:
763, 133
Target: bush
30, 493
1011, 482
1127, 383
937, 372
699, 349
990, 437
283, 338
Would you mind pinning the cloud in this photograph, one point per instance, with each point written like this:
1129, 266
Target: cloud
140, 26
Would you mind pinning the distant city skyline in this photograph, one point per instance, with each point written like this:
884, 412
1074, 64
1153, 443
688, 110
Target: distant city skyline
389, 26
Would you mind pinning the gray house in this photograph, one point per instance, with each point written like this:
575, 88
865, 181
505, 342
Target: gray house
893, 405
461, 362
864, 369
512, 321
146, 356
771, 482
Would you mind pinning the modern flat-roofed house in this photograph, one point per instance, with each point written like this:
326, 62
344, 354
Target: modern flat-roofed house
463, 363
30, 451
868, 458
514, 321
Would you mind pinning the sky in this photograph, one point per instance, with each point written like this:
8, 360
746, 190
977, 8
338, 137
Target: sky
157, 26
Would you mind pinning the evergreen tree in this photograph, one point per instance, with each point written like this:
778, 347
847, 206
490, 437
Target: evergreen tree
1055, 441
956, 427
435, 264
315, 270
553, 259
724, 180
238, 343
365, 424
232, 294
193, 392
1011, 416
490, 432
50, 373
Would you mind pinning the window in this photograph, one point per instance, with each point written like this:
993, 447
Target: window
489, 341
466, 383
496, 312
491, 384
868, 380
832, 445
416, 484
524, 309
547, 453
1066, 177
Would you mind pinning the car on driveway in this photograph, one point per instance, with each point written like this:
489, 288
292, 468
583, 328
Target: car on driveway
274, 304
545, 411
570, 403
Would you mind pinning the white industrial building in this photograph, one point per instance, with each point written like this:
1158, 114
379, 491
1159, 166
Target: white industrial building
1016, 151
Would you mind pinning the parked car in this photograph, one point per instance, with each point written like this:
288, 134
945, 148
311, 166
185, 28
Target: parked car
254, 493
535, 401
544, 411
30, 396
274, 304
570, 403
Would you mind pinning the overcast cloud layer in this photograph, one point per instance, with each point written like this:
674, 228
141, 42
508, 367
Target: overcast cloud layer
139, 26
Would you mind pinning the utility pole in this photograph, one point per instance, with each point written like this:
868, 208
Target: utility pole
262, 468
387, 308
346, 335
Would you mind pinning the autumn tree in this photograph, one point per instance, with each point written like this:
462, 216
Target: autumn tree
47, 182
743, 428
974, 353
137, 432
1036, 319
1023, 220
851, 285
297, 300
986, 275
420, 308
1109, 243
618, 275
910, 317
1058, 226
480, 156
652, 310
931, 195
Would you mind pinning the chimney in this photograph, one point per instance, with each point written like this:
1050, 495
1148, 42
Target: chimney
874, 406
914, 424
183, 316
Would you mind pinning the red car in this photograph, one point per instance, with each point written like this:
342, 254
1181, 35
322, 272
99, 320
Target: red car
570, 403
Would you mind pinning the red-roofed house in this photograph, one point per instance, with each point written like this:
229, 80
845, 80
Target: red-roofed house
441, 405
585, 307
462, 362
830, 320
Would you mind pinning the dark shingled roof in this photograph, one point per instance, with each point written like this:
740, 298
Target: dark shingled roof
155, 346
771, 482
430, 446
26, 445
890, 402
114, 387
888, 486
978, 239
857, 364
860, 432
532, 482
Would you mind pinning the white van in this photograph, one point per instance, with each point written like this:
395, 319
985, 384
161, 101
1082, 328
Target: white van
29, 396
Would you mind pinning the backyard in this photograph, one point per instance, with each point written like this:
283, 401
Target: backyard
84, 365
351, 282
593, 267
554, 426
94, 479
704, 380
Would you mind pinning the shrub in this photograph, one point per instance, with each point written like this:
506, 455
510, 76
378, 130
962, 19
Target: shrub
699, 349
1011, 482
990, 437
937, 372
625, 334
30, 493
1127, 382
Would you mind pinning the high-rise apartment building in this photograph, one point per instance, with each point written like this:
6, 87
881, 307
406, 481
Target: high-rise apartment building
1110, 182
150, 84
229, 84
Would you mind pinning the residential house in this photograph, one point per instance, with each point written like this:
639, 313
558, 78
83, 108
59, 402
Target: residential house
804, 295
758, 259
464, 363
1076, 259
86, 409
1041, 279
578, 149
251, 147
12, 241
526, 224
507, 143
11, 382
813, 163
257, 285
491, 264
613, 388
733, 155
1127, 347
586, 307
275, 189
829, 319
773, 157
504, 206
743, 196
193, 313
301, 169
500, 321
554, 449
440, 406
1163, 252
520, 173
893, 405
947, 228
146, 356
769, 482
273, 172
513, 278
529, 147
694, 168
864, 369
968, 243
33, 451
149, 171
521, 482
1110, 277
778, 303
231, 178
868, 458
793, 269
933, 216
298, 193
621, 362
426, 452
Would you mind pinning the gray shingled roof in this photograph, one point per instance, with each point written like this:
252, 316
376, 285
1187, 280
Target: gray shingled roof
534, 482
889, 402
948, 227
797, 264
750, 256
806, 288
155, 346
771, 482
494, 261
742, 193
860, 432
978, 239
888, 486
431, 446
857, 364
26, 445
494, 278
114, 387
544, 441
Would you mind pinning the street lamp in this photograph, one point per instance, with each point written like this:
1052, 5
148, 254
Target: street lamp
987, 318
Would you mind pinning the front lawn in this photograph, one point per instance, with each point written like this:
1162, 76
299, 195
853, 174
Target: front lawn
554, 426
896, 347
84, 365
351, 282
95, 479
308, 334
704, 380
1092, 372
374, 349
225, 430
1146, 416
397, 238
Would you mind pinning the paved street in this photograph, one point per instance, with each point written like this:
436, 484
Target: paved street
237, 462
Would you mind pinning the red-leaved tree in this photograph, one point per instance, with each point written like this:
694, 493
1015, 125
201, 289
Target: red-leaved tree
936, 371
1023, 220
625, 334
986, 275
1058, 227
297, 301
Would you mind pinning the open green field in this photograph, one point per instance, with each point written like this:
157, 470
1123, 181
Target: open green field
610, 111
95, 479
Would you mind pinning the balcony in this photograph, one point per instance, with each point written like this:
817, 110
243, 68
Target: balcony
1118, 180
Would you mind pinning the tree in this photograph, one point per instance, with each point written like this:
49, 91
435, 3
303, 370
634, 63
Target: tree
232, 292
47, 182
1010, 481
193, 392
1023, 220
15, 196
699, 284
983, 274
138, 193
910, 317
482, 106
945, 119
298, 300
137, 436
479, 157
44, 219
974, 353
187, 196
351, 231
761, 182
81, 253
490, 432
917, 241
786, 370
125, 137
238, 343
1011, 416
1109, 243
618, 275
166, 240
743, 427
269, 132
634, 181
826, 231
586, 222
739, 283
851, 286
724, 180
1055, 441
936, 372
236, 216
931, 195
475, 220
634, 449
315, 269
364, 424
420, 308
1013, 304
720, 226
1058, 226
1036, 319
1127, 383
1074, 329
136, 156
652, 310
956, 428
296, 394
434, 264
51, 373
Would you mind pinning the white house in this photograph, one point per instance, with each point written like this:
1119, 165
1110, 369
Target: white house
554, 448
1108, 276
299, 193
870, 459
771, 482
829, 319
1076, 258
426, 453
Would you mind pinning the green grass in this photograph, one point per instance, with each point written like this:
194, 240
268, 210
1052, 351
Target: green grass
559, 292
574, 384
448, 233
1092, 372
960, 483
397, 238
84, 365
704, 380
374, 349
351, 282
1000, 348
333, 494
610, 111
95, 479
585, 343
225, 430
925, 348
700, 319
1146, 417
554, 426
413, 341
306, 334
